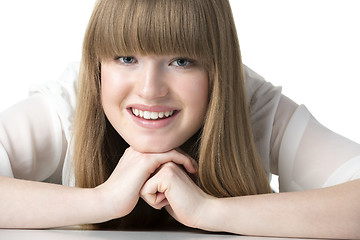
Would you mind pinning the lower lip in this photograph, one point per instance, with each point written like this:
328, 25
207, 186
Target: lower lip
153, 124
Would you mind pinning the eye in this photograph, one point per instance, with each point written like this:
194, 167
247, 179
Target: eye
182, 62
126, 59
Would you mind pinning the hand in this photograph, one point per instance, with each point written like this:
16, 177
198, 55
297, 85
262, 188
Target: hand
121, 191
172, 188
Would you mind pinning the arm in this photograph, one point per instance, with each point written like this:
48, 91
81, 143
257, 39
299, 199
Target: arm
29, 204
32, 147
331, 212
310, 157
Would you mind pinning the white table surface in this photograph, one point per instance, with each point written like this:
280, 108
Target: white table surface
73, 234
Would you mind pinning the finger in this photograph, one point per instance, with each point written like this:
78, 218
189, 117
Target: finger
152, 161
150, 192
174, 156
193, 161
159, 197
157, 200
152, 196
162, 204
154, 189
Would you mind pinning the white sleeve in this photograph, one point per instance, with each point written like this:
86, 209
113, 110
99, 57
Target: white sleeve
263, 99
310, 155
32, 143
61, 95
293, 145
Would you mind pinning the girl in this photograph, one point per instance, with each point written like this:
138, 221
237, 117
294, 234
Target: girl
167, 117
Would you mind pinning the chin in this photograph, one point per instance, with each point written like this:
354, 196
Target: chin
152, 148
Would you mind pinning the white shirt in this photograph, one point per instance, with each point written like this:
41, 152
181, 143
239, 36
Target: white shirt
35, 137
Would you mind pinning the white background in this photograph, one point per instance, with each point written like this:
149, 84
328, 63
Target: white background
310, 47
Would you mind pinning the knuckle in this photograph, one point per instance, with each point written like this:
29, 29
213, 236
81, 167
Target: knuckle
170, 166
128, 150
169, 170
147, 197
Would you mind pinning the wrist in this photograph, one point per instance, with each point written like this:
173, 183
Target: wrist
113, 203
211, 217
102, 205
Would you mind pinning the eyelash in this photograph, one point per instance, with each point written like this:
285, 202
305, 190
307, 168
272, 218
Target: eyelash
190, 62
120, 59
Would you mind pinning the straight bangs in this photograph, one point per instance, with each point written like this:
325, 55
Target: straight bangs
161, 27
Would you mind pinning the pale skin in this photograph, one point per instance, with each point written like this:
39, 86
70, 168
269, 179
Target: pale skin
321, 213
156, 176
43, 205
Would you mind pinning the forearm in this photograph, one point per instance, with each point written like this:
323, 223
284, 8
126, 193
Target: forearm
26, 204
323, 213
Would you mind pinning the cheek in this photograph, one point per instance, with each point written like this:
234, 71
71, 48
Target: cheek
113, 89
196, 94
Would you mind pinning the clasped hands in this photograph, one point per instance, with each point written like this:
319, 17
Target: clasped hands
162, 180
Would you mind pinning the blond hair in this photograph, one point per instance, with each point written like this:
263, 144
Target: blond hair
228, 161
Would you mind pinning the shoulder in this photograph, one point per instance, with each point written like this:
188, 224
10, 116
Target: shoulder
61, 94
258, 90
263, 100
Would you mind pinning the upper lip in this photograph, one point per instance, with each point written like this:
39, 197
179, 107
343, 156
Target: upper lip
155, 108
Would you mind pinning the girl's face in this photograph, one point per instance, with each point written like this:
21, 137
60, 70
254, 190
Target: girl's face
155, 103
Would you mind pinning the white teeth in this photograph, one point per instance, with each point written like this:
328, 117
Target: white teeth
151, 115
154, 115
147, 114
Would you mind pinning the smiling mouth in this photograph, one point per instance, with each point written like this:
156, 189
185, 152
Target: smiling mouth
152, 115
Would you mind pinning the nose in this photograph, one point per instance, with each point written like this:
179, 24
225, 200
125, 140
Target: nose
151, 82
